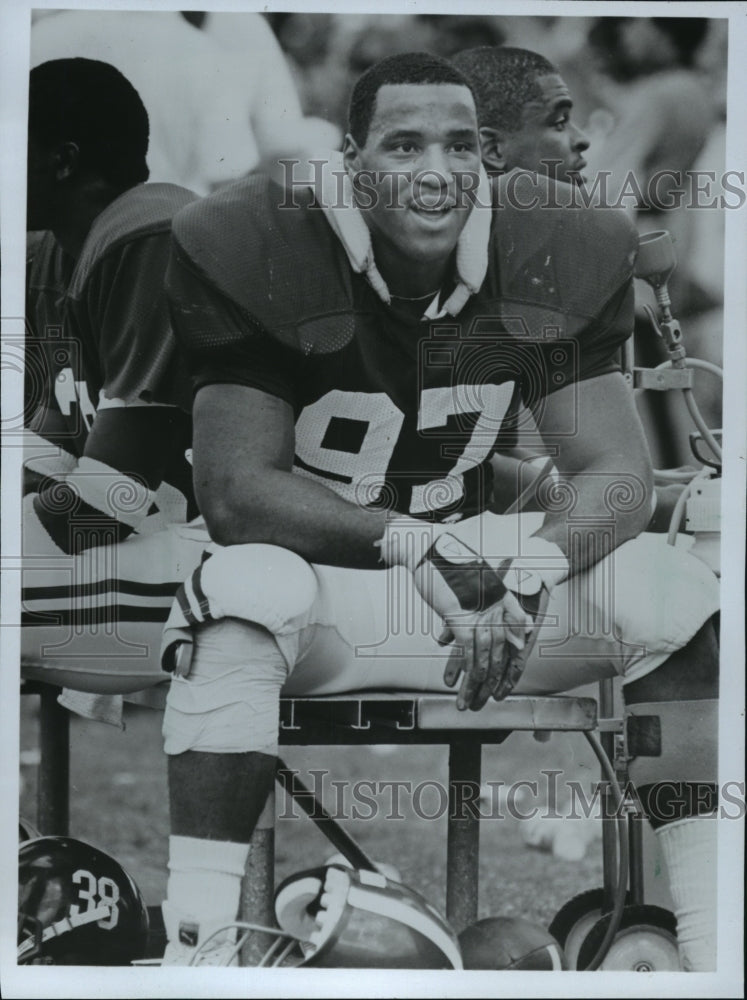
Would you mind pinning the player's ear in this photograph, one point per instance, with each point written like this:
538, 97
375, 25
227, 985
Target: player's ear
492, 149
351, 156
66, 160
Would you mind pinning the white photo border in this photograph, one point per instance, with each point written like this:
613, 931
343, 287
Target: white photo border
40, 982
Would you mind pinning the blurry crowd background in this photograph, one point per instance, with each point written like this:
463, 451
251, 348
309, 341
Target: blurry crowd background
228, 92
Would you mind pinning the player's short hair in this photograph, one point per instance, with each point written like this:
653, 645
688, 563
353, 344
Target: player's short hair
503, 80
93, 105
406, 67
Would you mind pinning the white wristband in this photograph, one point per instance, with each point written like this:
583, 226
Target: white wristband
541, 563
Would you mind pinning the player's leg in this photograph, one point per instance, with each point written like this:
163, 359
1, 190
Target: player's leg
293, 629
672, 729
221, 735
646, 613
221, 731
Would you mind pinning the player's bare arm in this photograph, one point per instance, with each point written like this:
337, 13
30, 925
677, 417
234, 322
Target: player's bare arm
248, 493
126, 455
606, 477
605, 482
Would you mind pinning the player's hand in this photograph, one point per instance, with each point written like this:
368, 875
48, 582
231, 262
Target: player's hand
490, 649
490, 625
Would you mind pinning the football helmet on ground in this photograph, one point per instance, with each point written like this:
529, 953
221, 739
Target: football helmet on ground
334, 917
348, 918
76, 906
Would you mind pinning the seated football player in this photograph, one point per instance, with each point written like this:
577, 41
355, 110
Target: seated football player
359, 350
524, 110
107, 398
524, 119
524, 114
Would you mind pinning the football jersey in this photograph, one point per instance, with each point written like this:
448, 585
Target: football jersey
393, 410
48, 273
99, 327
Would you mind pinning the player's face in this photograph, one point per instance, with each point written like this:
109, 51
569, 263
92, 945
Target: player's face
421, 148
548, 142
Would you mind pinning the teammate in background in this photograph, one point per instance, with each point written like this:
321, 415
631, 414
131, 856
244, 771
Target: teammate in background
354, 370
105, 384
524, 111
524, 116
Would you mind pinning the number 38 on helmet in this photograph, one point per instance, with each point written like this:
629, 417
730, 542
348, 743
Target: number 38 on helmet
77, 906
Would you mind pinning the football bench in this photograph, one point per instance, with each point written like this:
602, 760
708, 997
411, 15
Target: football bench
368, 718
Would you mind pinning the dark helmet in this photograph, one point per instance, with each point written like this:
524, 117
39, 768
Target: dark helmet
77, 906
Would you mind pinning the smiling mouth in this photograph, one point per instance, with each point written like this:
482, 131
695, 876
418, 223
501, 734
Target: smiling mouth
424, 212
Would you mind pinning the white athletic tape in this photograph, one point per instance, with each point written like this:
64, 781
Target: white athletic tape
230, 701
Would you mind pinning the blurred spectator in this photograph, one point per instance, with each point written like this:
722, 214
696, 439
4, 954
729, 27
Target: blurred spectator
327, 52
317, 59
658, 112
220, 101
275, 109
661, 114
452, 33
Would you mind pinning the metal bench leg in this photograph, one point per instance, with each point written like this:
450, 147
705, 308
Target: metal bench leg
463, 834
53, 790
258, 885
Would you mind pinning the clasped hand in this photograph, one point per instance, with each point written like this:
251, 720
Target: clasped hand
491, 637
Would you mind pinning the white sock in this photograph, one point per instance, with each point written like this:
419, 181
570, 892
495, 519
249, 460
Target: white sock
689, 847
204, 886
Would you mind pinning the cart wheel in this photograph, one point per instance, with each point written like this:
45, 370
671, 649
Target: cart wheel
575, 919
645, 942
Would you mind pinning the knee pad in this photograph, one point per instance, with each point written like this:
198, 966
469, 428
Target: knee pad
261, 584
672, 741
229, 702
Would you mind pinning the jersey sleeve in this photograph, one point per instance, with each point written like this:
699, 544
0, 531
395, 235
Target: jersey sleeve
222, 342
121, 313
596, 348
119, 323
566, 269
48, 271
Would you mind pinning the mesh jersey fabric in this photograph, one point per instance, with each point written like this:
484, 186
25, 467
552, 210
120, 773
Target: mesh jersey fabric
48, 273
390, 409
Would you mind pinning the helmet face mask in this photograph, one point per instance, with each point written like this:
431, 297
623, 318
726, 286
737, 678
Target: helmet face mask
286, 950
77, 906
334, 917
348, 918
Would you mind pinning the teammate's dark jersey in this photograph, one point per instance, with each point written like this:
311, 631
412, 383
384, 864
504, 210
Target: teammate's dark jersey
100, 337
394, 410
48, 273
